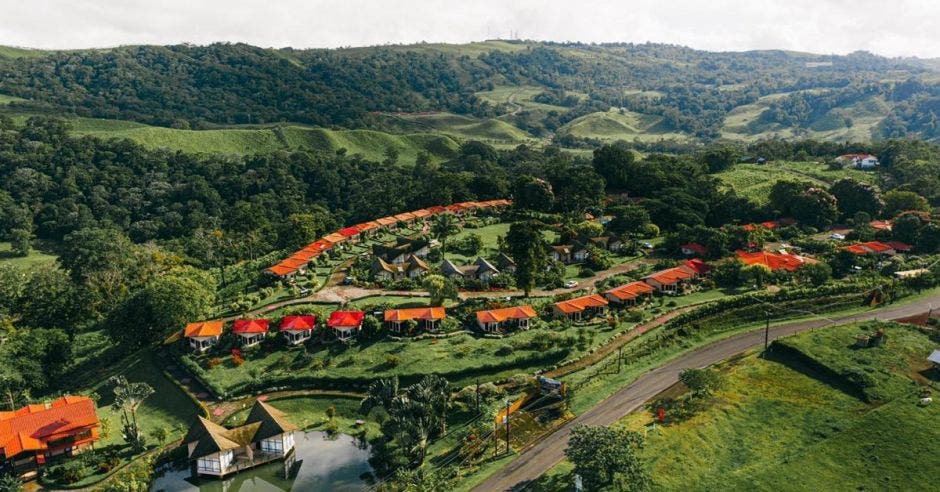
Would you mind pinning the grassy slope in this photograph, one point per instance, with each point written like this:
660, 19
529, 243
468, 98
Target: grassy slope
617, 125
309, 412
772, 427
755, 180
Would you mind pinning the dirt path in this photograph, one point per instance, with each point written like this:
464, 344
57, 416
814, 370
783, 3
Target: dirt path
542, 456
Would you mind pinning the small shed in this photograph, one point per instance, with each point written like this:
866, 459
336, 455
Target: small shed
935, 358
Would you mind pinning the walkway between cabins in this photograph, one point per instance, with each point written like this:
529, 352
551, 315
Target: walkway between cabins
342, 294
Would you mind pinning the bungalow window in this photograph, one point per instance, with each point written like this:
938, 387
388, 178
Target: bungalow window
209, 465
274, 445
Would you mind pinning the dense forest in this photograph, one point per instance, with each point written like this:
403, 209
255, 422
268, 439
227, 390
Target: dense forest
199, 86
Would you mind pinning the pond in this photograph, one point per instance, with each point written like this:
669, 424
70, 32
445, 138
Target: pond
319, 463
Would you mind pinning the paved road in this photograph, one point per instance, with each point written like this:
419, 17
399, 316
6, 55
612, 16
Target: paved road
545, 454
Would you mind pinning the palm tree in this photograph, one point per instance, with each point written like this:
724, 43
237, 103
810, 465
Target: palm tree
128, 397
381, 393
444, 225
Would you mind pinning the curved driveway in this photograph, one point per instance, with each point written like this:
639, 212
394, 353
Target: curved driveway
535, 461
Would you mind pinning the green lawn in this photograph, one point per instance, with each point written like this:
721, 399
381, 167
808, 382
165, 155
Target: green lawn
778, 425
168, 407
35, 257
620, 125
309, 412
754, 181
461, 358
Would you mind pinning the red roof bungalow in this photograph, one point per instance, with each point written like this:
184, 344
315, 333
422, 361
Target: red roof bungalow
282, 270
421, 214
345, 323
691, 249
427, 317
298, 329
334, 238
881, 225
31, 434
251, 331
629, 294
437, 210
670, 281
407, 218
368, 228
203, 334
319, 245
899, 247
697, 267
774, 261
584, 307
492, 319
350, 233
388, 222
871, 247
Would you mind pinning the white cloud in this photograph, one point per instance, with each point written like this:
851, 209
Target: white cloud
897, 28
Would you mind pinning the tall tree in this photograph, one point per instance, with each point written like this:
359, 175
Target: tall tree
527, 249
854, 196
533, 194
444, 226
127, 398
602, 455
614, 163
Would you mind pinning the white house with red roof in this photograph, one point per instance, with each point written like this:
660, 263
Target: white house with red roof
861, 161
298, 329
345, 323
250, 331
203, 334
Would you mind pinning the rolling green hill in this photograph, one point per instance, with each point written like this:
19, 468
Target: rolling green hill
620, 125
754, 181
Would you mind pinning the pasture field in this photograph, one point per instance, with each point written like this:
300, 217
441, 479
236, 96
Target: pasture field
778, 423
755, 181
620, 125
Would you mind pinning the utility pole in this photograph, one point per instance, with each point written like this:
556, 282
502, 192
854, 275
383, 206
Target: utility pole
619, 358
766, 330
495, 439
507, 426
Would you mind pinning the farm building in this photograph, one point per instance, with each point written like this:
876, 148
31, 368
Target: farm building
32, 434
265, 436
203, 334
495, 319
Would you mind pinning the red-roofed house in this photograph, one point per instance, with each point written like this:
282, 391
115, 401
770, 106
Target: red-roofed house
33, 433
437, 210
388, 223
861, 161
282, 270
345, 323
335, 238
671, 281
298, 329
871, 247
774, 261
899, 247
492, 319
406, 218
584, 307
203, 334
881, 225
368, 229
692, 249
630, 294
696, 267
350, 233
251, 331
427, 318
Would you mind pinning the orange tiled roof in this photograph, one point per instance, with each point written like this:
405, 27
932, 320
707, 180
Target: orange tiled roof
421, 213
579, 304
334, 238
386, 221
881, 224
298, 323
631, 290
774, 261
281, 269
500, 315
405, 216
204, 329
250, 326
348, 231
368, 226
30, 428
431, 313
437, 209
670, 276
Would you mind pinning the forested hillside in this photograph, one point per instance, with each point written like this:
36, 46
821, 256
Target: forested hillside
675, 91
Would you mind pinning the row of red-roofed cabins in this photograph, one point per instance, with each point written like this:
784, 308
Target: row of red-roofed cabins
298, 262
296, 329
889, 248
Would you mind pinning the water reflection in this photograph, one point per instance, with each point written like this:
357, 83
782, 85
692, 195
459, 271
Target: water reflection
319, 463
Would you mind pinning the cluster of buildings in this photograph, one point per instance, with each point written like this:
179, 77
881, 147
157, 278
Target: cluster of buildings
860, 161
578, 252
298, 262
889, 248
31, 435
671, 281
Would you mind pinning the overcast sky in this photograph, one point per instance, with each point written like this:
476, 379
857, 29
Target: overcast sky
886, 27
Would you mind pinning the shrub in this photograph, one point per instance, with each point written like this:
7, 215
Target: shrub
392, 361
212, 362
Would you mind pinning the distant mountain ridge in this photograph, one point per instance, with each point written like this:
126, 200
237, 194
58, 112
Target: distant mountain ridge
578, 94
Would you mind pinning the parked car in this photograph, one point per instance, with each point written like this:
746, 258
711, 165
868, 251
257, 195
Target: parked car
571, 284
837, 236
647, 245
305, 292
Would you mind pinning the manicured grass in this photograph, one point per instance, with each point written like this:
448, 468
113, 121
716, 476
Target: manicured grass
461, 357
309, 412
35, 258
168, 407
